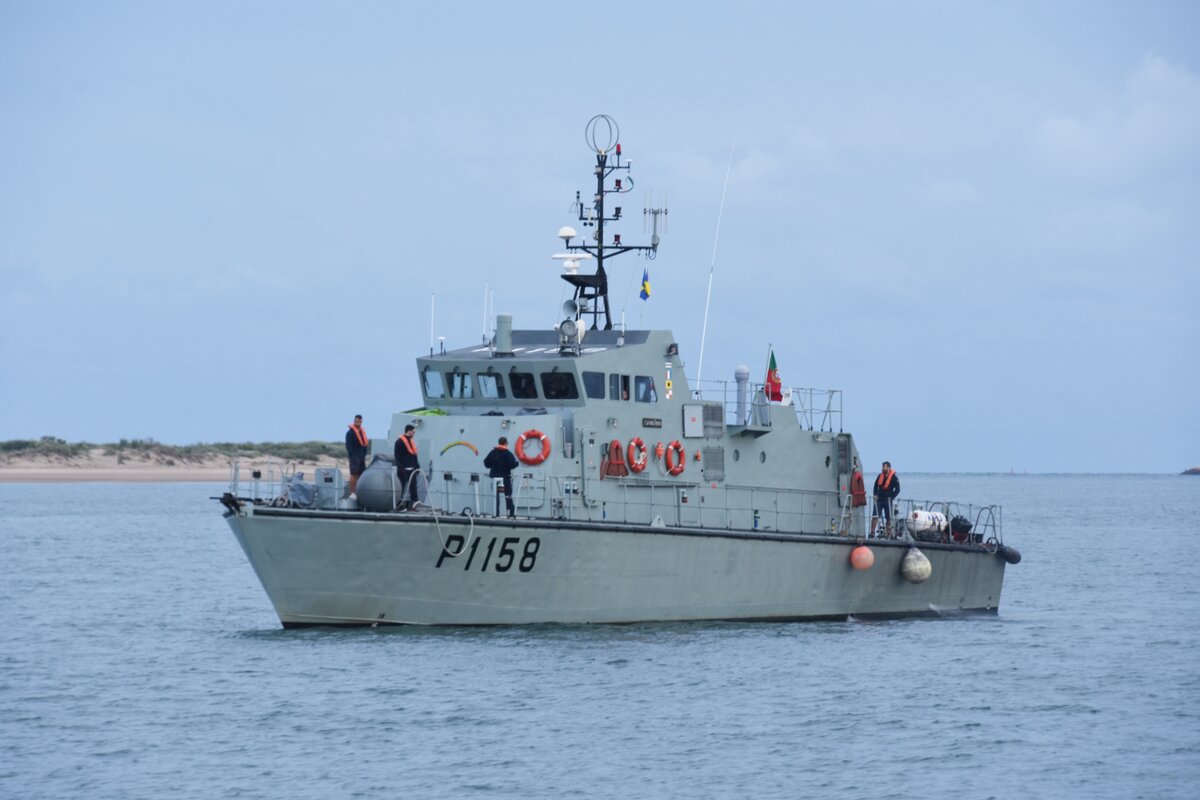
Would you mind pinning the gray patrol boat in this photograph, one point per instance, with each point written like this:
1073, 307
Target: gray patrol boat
638, 496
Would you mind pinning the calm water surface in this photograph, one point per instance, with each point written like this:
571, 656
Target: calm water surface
140, 658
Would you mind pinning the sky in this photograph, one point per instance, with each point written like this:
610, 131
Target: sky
980, 221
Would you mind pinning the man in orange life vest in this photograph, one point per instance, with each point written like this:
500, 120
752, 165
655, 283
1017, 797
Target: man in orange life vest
356, 449
500, 463
887, 486
407, 465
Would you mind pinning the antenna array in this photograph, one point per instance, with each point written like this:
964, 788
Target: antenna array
603, 136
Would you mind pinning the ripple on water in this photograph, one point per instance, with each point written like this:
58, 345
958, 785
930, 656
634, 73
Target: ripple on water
141, 659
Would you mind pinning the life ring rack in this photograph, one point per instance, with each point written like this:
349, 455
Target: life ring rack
636, 455
542, 455
675, 449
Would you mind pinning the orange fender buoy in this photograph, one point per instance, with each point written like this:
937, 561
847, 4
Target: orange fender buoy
861, 557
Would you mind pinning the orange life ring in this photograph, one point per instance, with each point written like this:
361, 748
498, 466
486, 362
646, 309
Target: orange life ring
636, 455
676, 449
542, 455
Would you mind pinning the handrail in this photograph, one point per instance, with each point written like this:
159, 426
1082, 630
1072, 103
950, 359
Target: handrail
278, 475
816, 409
986, 520
642, 501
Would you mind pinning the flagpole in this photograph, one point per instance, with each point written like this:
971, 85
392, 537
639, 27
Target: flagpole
712, 268
770, 352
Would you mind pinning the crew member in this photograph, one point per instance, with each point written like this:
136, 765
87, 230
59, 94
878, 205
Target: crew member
407, 465
500, 463
356, 449
887, 486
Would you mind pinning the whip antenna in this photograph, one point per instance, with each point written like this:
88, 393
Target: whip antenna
486, 293
712, 268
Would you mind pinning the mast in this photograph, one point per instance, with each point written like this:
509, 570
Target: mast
591, 291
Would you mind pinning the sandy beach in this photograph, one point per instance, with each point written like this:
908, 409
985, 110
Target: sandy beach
140, 468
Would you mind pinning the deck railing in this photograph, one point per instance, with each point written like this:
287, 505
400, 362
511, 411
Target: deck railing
638, 501
986, 521
816, 409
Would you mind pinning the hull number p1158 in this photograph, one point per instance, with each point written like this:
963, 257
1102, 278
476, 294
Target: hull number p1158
509, 554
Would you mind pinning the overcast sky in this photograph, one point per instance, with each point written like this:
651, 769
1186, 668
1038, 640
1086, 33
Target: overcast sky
981, 221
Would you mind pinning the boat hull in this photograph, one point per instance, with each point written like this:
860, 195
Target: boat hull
351, 568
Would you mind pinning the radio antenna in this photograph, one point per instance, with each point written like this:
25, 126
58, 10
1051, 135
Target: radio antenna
712, 268
485, 312
591, 291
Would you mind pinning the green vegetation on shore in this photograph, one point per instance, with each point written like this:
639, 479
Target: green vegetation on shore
52, 446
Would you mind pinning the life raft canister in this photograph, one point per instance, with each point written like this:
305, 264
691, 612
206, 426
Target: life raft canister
674, 451
542, 454
637, 455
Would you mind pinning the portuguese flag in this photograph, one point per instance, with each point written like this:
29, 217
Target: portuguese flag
773, 387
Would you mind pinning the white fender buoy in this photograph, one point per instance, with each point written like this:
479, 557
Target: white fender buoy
915, 567
862, 558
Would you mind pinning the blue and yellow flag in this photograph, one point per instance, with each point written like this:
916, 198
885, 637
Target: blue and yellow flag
645, 293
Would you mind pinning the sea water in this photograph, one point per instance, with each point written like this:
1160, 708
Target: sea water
139, 658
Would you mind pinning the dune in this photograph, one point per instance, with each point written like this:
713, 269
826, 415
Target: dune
101, 464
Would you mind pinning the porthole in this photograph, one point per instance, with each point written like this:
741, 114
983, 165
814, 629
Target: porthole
762, 457
736, 455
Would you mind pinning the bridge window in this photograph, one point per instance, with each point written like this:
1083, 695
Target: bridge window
434, 387
644, 389
559, 386
491, 386
523, 387
460, 385
618, 387
593, 385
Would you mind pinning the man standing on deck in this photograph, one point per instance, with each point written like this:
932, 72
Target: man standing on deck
500, 463
356, 448
407, 465
887, 486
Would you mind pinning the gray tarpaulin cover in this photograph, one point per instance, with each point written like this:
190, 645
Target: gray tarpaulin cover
301, 492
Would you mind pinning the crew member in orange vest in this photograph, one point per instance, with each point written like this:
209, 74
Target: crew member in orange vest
407, 465
887, 486
356, 448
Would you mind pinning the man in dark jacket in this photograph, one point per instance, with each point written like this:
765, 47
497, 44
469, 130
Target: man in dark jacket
500, 463
407, 465
356, 448
887, 486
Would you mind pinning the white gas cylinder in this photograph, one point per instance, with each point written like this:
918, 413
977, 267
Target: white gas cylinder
921, 521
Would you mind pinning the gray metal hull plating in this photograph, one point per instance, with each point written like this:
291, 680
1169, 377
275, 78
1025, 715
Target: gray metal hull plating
336, 568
